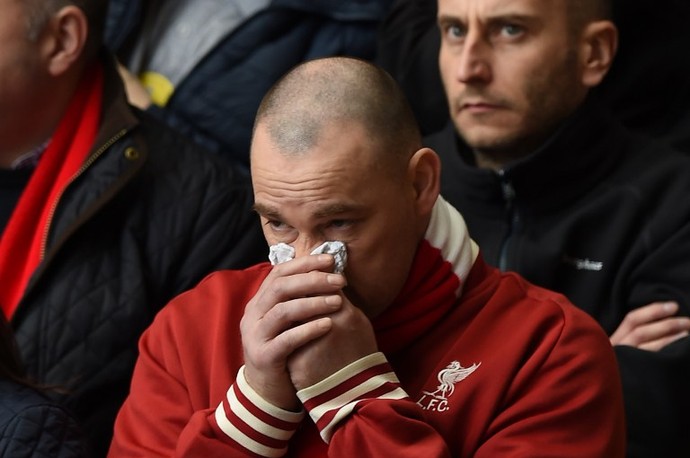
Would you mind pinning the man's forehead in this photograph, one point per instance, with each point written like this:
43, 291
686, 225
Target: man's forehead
495, 7
316, 209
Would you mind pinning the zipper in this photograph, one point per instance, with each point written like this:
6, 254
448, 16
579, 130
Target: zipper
512, 218
84, 166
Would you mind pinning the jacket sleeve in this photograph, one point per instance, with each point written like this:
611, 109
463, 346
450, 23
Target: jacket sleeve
250, 426
657, 401
362, 410
655, 384
158, 418
42, 431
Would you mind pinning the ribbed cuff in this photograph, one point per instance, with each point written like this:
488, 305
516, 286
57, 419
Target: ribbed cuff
254, 423
334, 398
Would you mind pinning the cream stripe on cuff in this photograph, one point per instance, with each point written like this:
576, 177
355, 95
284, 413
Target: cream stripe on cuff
245, 441
256, 423
327, 431
354, 393
261, 403
379, 386
341, 376
244, 415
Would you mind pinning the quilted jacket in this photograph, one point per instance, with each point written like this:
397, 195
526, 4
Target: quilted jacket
215, 105
148, 217
31, 426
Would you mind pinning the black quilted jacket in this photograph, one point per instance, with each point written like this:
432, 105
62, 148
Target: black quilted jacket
31, 426
148, 217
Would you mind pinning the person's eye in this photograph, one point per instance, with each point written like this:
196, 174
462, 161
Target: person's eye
340, 224
277, 225
511, 30
454, 32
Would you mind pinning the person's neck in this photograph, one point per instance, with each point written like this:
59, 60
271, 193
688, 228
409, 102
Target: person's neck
501, 156
44, 113
499, 159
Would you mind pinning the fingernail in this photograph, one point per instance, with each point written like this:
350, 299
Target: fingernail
670, 306
323, 323
336, 279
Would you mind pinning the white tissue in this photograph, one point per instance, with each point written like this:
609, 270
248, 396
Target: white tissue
282, 252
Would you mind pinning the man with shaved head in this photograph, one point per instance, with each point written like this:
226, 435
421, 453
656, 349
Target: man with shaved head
377, 329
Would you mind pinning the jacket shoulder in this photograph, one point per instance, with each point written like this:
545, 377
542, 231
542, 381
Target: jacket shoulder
546, 309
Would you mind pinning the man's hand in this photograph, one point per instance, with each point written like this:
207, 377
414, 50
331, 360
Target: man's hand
289, 310
651, 327
350, 338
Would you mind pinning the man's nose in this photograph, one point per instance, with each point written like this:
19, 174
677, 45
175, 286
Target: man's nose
474, 64
305, 245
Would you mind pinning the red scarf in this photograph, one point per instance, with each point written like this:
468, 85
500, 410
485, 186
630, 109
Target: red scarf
439, 271
21, 243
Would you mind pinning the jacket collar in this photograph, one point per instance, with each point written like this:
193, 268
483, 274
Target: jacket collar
116, 114
579, 154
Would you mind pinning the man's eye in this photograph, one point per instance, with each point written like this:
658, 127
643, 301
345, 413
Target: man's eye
340, 223
455, 31
276, 225
511, 30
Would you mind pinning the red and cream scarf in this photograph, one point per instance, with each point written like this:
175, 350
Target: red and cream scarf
21, 243
442, 263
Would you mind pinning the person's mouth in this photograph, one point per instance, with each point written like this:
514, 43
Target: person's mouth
478, 106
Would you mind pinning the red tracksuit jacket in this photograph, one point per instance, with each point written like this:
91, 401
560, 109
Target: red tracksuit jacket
483, 366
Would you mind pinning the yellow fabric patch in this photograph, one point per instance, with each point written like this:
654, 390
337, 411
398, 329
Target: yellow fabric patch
158, 86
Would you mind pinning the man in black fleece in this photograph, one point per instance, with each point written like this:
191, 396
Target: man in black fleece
552, 187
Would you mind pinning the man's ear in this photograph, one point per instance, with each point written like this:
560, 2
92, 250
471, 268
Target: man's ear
64, 39
425, 170
599, 45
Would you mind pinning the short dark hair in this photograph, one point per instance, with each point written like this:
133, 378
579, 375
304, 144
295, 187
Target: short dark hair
40, 11
582, 12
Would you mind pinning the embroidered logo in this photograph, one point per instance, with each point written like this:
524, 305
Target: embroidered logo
437, 400
584, 264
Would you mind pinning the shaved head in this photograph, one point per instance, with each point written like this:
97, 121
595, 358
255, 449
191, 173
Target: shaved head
336, 89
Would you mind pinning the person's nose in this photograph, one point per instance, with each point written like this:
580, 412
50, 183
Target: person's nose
304, 245
474, 62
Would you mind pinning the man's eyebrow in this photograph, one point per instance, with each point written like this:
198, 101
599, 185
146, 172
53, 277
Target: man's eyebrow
266, 211
335, 209
446, 19
513, 17
506, 16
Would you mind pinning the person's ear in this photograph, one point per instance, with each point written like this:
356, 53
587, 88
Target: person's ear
64, 39
425, 171
599, 45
